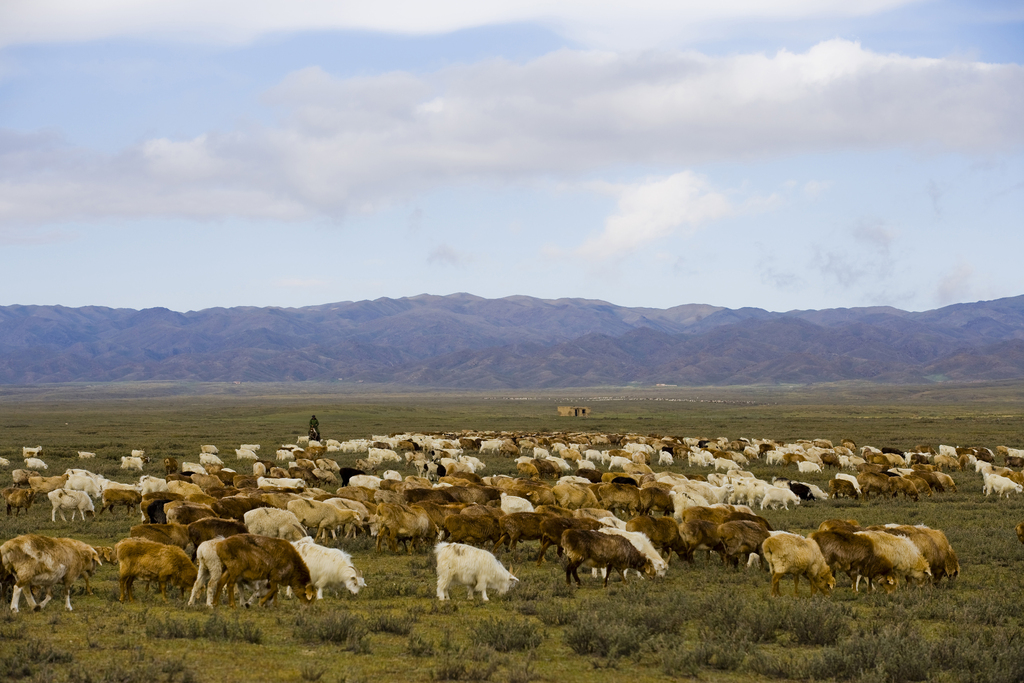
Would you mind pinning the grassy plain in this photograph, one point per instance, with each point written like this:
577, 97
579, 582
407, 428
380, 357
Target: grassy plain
701, 621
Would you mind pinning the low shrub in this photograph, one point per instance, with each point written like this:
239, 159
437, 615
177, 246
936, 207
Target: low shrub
509, 635
592, 635
342, 628
390, 622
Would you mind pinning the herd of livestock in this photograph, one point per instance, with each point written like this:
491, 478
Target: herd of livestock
262, 525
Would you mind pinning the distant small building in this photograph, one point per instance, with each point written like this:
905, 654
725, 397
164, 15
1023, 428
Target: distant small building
573, 411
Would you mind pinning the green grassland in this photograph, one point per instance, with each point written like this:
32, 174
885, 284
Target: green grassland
701, 621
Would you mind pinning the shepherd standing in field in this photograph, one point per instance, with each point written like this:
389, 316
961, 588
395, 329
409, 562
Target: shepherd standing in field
314, 429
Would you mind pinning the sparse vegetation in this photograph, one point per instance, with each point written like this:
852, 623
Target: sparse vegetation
702, 621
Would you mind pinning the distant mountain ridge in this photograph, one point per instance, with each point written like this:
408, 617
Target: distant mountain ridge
465, 341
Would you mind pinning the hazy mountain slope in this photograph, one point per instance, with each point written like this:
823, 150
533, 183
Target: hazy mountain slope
467, 341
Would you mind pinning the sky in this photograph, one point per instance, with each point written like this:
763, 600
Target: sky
789, 155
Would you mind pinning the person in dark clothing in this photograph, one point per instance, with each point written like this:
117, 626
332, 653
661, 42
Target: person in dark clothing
314, 429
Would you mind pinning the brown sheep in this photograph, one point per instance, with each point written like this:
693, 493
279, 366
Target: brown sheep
129, 498
403, 523
46, 484
415, 496
142, 559
211, 527
663, 533
471, 529
845, 551
41, 561
620, 497
18, 499
247, 557
899, 485
235, 507
551, 531
602, 551
519, 526
168, 534
574, 496
841, 488
871, 482
697, 535
654, 498
184, 512
788, 553
528, 469
739, 539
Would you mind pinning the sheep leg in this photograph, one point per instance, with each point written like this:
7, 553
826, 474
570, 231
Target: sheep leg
481, 586
272, 594
201, 580
543, 550
570, 571
16, 598
796, 586
775, 584
67, 596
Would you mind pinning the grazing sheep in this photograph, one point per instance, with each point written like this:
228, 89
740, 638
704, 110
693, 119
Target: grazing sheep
168, 534
141, 559
75, 501
131, 463
1000, 485
275, 523
18, 499
907, 560
129, 498
603, 551
41, 561
249, 558
35, 464
329, 567
474, 568
209, 459
321, 516
510, 504
775, 496
788, 553
47, 484
808, 466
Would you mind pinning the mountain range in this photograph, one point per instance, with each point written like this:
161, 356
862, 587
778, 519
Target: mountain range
465, 341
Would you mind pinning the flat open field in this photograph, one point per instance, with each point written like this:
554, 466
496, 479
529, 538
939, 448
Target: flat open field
701, 621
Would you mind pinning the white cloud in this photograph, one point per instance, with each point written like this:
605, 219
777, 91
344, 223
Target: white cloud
641, 23
812, 188
656, 209
354, 145
301, 284
446, 255
955, 285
